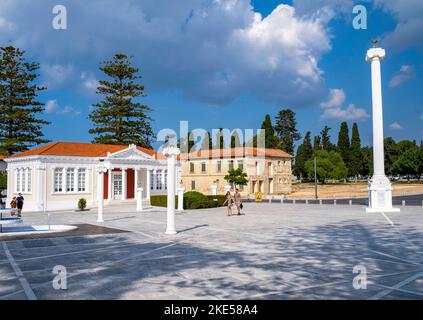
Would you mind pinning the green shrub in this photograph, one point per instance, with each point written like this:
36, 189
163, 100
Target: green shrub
192, 200
82, 204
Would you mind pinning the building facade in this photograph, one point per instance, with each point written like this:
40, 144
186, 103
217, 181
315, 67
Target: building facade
269, 170
56, 176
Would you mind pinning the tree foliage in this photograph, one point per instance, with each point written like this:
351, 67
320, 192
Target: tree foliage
286, 128
271, 139
237, 177
119, 118
355, 156
344, 143
304, 153
20, 125
330, 165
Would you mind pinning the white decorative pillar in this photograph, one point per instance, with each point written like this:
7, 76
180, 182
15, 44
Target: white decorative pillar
100, 193
380, 188
148, 184
110, 185
170, 153
181, 199
135, 181
139, 199
40, 172
228, 187
155, 179
124, 184
214, 189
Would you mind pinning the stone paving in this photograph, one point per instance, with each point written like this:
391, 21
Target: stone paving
273, 252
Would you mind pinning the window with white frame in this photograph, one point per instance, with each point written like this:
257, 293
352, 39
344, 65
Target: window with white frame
81, 180
151, 180
70, 180
159, 180
58, 180
23, 180
28, 180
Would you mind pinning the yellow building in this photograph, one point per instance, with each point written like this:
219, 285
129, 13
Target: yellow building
268, 170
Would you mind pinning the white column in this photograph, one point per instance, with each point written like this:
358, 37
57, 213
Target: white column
380, 189
135, 181
148, 184
181, 199
100, 193
40, 172
155, 179
171, 153
109, 185
162, 177
124, 186
139, 198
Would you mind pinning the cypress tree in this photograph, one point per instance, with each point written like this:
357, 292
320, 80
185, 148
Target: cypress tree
304, 153
317, 143
325, 138
271, 140
355, 152
286, 128
119, 119
344, 144
20, 126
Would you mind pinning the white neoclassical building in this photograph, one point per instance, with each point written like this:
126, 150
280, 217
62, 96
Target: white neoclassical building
56, 176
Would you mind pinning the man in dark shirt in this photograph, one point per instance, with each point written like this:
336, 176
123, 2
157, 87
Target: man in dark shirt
19, 204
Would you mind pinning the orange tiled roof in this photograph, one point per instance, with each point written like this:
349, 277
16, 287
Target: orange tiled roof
235, 152
1, 157
77, 149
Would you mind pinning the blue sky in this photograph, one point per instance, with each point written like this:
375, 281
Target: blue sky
218, 63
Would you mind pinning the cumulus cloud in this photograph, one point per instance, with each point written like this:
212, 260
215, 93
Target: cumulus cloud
395, 126
55, 75
211, 50
406, 73
334, 110
89, 82
408, 14
53, 107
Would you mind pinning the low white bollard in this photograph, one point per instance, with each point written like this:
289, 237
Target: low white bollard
181, 199
334, 202
350, 203
139, 199
307, 202
320, 202
293, 201
403, 203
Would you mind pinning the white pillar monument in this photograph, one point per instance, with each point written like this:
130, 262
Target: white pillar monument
100, 193
124, 184
380, 188
170, 153
181, 199
139, 199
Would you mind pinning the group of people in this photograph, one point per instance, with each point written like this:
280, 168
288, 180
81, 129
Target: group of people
17, 203
231, 200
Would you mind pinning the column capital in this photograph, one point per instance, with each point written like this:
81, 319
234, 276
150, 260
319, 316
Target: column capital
171, 151
375, 54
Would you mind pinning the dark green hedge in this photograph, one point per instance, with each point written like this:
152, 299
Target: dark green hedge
192, 200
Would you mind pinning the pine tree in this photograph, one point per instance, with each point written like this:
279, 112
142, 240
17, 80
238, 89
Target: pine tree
325, 139
286, 128
20, 127
317, 143
119, 119
344, 144
304, 153
271, 140
355, 152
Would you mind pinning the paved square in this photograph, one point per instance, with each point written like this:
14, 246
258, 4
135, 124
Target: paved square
273, 252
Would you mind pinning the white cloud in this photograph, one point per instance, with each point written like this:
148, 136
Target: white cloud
89, 82
336, 99
395, 126
55, 75
334, 110
406, 73
212, 51
421, 117
408, 31
52, 107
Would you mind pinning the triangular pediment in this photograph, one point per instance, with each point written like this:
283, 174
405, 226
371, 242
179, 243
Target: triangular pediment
130, 154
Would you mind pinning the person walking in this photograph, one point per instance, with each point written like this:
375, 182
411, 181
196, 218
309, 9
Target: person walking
238, 201
13, 205
19, 204
228, 202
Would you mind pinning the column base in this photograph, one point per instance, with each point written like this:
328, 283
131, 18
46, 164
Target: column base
380, 195
170, 232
